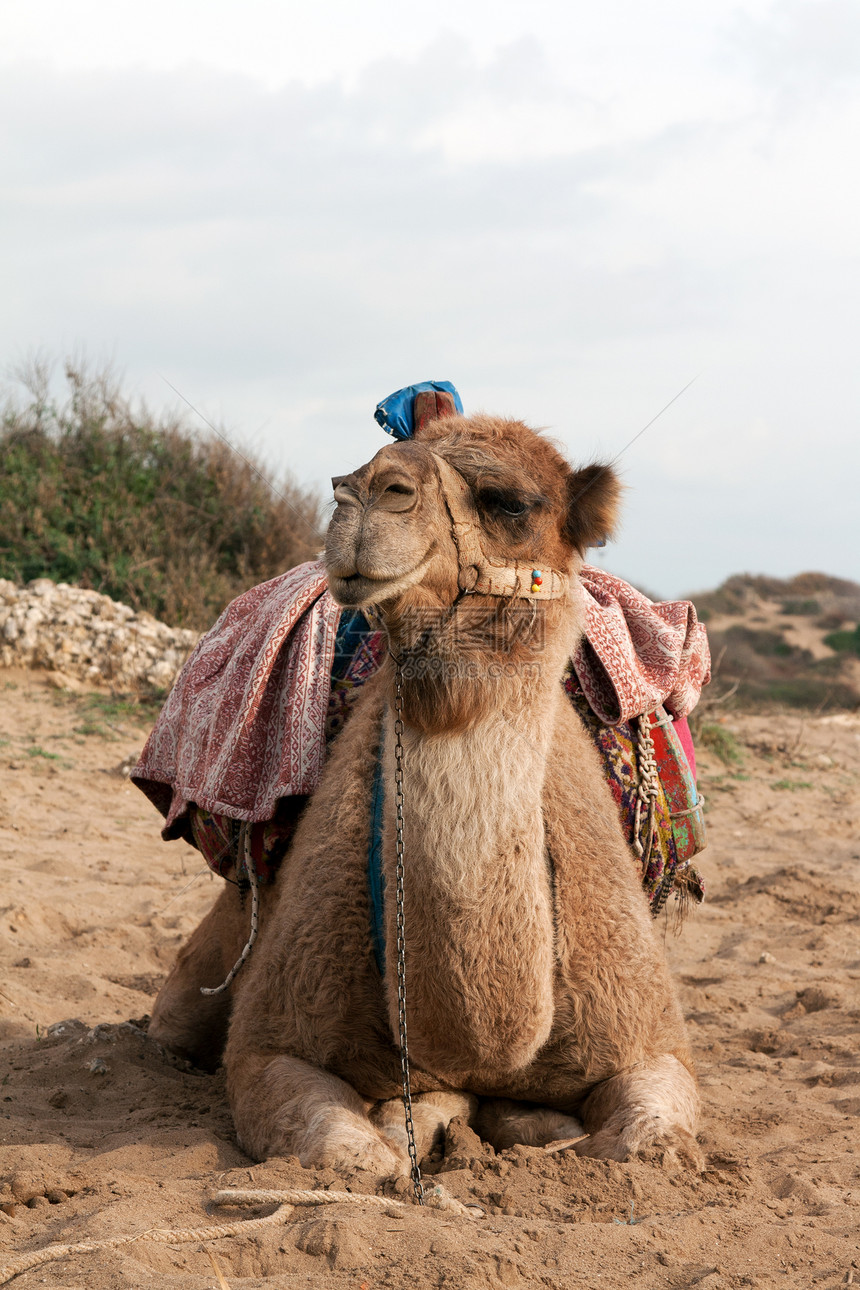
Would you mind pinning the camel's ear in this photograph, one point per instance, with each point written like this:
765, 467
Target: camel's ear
593, 496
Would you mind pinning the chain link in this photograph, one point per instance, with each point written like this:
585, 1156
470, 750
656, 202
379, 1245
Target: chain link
417, 1185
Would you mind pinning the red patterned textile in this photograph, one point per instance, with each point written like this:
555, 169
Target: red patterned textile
245, 723
637, 653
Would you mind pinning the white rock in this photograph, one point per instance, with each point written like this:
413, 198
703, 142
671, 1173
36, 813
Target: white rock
79, 634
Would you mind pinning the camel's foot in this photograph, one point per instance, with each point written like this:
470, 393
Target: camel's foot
504, 1123
348, 1143
431, 1115
647, 1111
184, 1021
285, 1107
643, 1138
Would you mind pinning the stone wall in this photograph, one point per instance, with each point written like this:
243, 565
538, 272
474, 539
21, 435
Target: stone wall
87, 637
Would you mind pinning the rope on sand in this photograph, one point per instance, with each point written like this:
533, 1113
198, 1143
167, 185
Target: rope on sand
266, 1197
286, 1201
436, 1198
164, 1236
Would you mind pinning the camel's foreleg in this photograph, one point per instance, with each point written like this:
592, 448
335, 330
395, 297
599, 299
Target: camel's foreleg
651, 1107
283, 1106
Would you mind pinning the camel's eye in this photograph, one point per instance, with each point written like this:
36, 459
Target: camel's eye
504, 503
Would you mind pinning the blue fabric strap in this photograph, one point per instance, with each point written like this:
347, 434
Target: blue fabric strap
394, 414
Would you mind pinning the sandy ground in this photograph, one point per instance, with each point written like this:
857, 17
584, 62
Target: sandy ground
103, 1135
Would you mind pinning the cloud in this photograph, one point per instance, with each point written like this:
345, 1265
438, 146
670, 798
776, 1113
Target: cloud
288, 256
802, 49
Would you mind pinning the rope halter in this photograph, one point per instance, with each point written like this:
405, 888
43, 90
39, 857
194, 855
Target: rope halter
480, 574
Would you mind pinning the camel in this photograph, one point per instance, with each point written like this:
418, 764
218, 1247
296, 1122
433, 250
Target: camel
539, 1001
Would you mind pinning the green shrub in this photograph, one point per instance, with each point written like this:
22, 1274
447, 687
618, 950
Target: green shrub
845, 642
801, 608
767, 643
830, 666
103, 495
720, 741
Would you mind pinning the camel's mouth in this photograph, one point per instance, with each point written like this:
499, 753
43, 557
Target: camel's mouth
355, 589
352, 590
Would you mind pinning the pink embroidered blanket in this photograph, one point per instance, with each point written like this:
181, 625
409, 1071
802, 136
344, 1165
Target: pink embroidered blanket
244, 724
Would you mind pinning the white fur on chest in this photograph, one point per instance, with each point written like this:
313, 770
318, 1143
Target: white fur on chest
478, 898
472, 801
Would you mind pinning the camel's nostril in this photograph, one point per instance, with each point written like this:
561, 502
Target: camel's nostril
344, 493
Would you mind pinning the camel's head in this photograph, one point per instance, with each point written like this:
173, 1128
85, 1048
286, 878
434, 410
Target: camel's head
515, 501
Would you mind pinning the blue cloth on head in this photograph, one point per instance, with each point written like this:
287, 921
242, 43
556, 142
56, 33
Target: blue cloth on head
394, 414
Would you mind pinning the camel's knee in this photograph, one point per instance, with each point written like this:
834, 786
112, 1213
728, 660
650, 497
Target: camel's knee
284, 1106
653, 1106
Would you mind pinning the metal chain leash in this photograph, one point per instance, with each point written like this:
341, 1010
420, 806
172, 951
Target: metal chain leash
417, 1185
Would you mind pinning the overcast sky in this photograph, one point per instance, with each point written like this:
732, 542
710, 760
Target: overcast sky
288, 211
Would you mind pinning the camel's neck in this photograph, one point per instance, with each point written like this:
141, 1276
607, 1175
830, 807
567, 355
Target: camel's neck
478, 897
482, 655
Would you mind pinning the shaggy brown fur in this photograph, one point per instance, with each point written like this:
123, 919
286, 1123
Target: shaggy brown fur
536, 983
